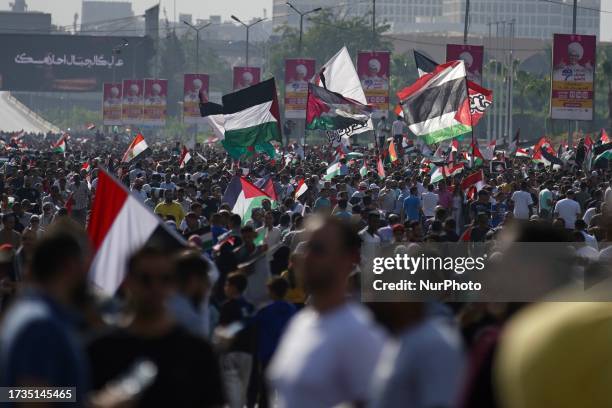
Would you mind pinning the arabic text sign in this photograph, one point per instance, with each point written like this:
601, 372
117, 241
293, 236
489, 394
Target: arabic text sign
155, 94
471, 55
69, 63
193, 86
572, 77
373, 71
297, 74
132, 107
111, 104
246, 76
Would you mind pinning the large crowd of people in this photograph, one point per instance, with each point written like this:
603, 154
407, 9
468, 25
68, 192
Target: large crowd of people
269, 313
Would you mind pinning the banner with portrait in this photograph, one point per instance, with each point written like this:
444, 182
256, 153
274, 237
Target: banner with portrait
193, 86
132, 106
297, 74
573, 76
111, 104
373, 71
155, 102
471, 55
246, 76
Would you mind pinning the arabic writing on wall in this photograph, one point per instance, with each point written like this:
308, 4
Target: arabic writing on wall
70, 60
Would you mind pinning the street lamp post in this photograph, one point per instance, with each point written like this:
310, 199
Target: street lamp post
302, 14
248, 27
197, 30
117, 51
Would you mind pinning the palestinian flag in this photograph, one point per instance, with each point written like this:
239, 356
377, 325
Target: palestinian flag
61, 145
267, 186
119, 225
588, 142
326, 110
522, 153
454, 152
604, 137
363, 171
392, 152
185, 157
332, 171
477, 156
380, 169
607, 155
251, 120
479, 98
514, 144
440, 173
431, 104
243, 196
138, 146
213, 116
300, 189
473, 183
339, 75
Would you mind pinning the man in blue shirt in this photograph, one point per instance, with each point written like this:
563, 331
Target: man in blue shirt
411, 209
38, 337
323, 203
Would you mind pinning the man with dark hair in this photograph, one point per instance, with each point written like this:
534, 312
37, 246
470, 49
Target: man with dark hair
270, 322
329, 351
40, 344
192, 287
187, 369
237, 359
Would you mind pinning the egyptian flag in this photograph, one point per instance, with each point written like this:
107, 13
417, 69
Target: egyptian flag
251, 120
119, 225
243, 196
86, 166
472, 184
431, 104
326, 110
137, 147
185, 157
301, 188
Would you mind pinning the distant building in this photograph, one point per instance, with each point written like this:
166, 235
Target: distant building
25, 22
109, 18
534, 19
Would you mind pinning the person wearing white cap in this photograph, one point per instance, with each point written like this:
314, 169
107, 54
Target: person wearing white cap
374, 78
573, 68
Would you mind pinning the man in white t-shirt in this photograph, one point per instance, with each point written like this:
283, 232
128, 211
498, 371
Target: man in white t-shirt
429, 201
523, 203
329, 351
568, 209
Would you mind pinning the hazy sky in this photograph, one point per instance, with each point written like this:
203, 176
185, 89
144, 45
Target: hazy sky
63, 10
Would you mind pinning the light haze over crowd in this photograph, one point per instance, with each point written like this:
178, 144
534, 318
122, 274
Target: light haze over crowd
63, 10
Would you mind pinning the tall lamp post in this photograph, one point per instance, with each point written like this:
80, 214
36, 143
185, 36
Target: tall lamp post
302, 14
248, 27
197, 30
117, 51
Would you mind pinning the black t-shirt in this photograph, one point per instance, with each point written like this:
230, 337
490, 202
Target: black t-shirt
238, 310
188, 370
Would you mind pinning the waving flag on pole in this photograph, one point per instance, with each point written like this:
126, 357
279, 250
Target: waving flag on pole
61, 145
473, 183
363, 171
326, 110
243, 196
185, 157
431, 104
251, 120
137, 147
446, 171
301, 188
340, 76
332, 171
380, 168
119, 225
604, 137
